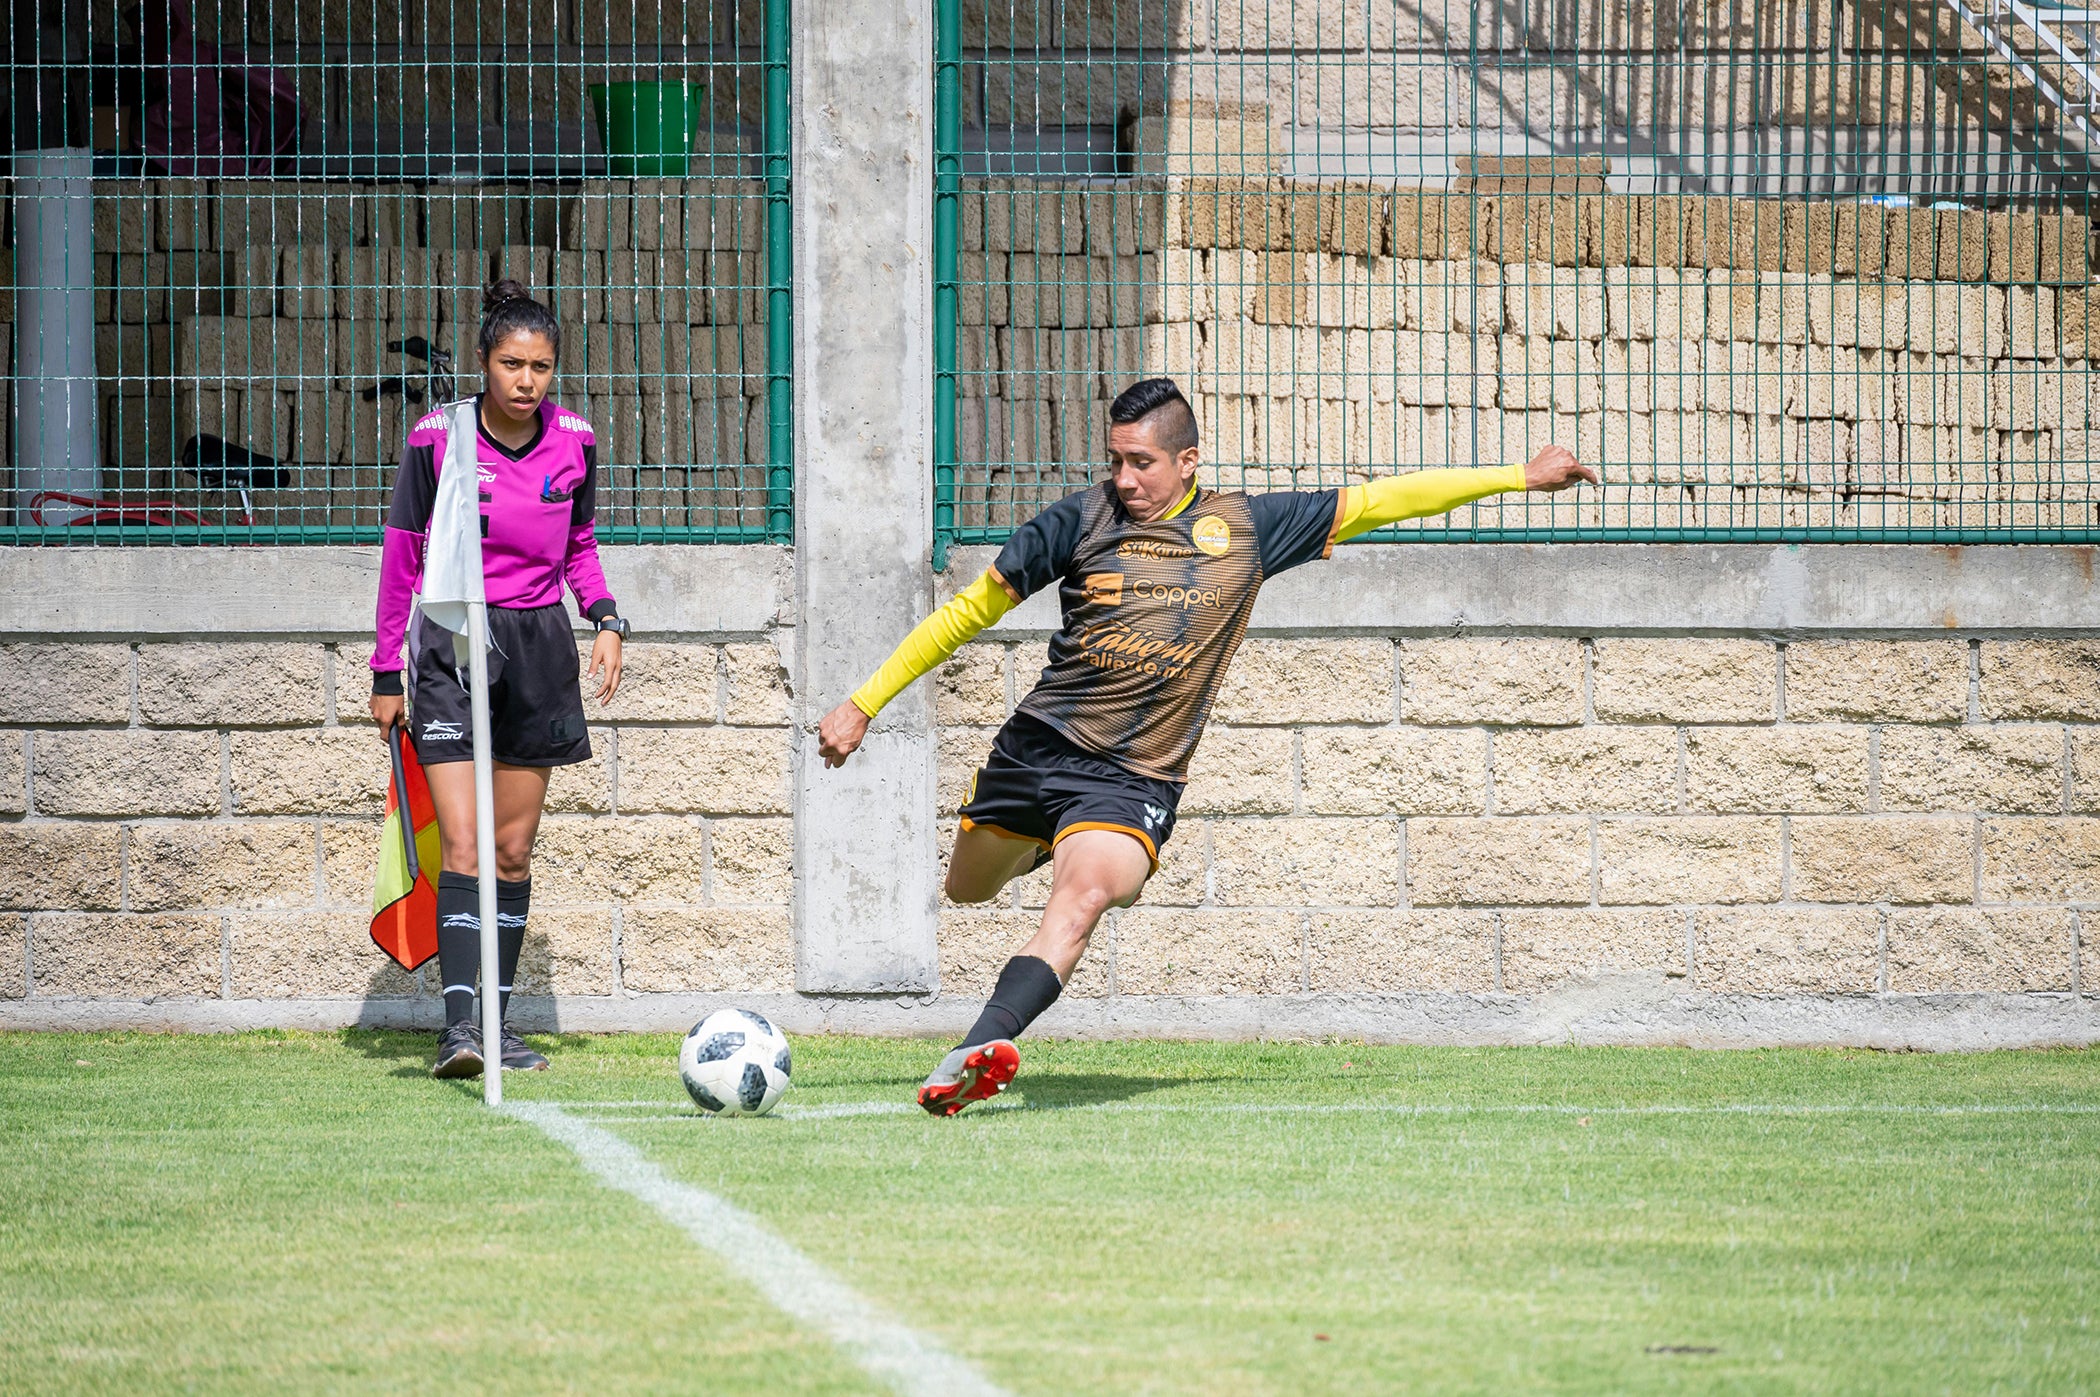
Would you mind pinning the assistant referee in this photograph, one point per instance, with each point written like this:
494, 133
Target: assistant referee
537, 464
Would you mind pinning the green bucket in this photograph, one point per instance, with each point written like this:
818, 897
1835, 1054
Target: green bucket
647, 127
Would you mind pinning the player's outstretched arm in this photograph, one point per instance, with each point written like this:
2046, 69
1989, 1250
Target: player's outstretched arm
929, 645
1421, 493
1555, 468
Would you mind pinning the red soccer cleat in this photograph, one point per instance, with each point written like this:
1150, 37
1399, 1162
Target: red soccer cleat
970, 1073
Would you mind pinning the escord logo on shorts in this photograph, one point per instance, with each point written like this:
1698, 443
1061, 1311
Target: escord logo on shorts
1104, 588
1153, 815
1213, 535
442, 732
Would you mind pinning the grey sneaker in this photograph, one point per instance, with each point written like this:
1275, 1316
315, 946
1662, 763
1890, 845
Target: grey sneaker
970, 1073
459, 1051
517, 1057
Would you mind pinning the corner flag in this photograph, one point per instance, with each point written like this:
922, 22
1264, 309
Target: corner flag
404, 904
452, 580
455, 595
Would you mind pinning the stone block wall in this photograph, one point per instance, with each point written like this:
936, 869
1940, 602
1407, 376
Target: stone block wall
1728, 363
1405, 814
1449, 793
265, 313
198, 820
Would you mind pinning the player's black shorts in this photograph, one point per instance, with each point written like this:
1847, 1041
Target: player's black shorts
535, 693
1039, 786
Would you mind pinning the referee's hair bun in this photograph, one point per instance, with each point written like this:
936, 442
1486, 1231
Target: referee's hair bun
507, 309
501, 290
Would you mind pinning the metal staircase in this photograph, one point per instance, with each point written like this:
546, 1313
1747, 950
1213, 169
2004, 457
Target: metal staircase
2067, 75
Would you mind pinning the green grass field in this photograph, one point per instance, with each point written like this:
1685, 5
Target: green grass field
296, 1212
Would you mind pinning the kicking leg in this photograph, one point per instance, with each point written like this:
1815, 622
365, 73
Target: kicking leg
1096, 870
986, 860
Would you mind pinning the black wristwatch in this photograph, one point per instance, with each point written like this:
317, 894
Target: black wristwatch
616, 624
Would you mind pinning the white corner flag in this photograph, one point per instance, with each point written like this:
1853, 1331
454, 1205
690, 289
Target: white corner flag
455, 596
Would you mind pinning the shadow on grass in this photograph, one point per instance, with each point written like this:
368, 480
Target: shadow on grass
409, 1049
1050, 1090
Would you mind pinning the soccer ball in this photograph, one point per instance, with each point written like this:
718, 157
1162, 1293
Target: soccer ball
734, 1063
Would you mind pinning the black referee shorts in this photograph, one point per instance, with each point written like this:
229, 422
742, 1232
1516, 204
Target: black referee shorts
1040, 786
535, 691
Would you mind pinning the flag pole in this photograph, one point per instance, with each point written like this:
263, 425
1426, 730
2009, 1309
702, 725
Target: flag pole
485, 853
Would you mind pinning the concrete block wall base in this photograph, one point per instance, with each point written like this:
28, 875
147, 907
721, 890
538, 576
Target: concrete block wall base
1619, 1010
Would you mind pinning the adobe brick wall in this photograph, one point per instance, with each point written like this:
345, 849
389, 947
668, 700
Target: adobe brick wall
1730, 363
262, 312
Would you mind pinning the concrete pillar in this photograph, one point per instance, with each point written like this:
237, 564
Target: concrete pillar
866, 861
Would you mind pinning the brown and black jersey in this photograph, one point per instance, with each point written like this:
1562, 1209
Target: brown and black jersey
1153, 612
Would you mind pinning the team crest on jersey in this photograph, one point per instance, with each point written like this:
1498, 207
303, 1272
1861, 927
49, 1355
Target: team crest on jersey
1213, 535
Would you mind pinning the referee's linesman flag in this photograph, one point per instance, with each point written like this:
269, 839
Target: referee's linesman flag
404, 904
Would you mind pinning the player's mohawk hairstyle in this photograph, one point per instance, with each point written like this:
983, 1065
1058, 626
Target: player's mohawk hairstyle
1177, 424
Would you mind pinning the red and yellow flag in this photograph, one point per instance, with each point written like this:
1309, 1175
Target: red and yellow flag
404, 898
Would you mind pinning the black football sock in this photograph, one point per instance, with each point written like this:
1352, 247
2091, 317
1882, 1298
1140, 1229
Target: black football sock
459, 942
513, 902
1027, 986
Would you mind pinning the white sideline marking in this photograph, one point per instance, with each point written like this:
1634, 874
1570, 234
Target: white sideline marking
1747, 1108
658, 1102
849, 1108
666, 1110
795, 1284
1403, 1108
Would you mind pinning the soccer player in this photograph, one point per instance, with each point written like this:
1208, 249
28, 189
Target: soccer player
1156, 577
537, 464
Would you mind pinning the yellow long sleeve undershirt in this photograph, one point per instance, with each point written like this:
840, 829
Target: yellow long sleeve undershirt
1417, 494
934, 639
981, 604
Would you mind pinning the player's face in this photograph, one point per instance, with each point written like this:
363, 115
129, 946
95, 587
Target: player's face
1150, 479
520, 367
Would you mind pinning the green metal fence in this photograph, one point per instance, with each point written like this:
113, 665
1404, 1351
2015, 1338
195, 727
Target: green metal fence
1783, 269
286, 227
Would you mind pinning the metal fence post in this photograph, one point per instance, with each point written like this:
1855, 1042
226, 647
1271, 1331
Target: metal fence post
780, 298
947, 188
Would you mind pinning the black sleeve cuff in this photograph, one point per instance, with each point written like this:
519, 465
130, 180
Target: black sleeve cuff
600, 609
386, 682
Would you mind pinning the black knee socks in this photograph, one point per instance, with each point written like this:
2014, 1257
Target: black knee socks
459, 938
1027, 986
513, 902
459, 942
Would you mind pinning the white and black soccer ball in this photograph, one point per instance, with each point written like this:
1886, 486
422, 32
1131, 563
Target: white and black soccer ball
735, 1063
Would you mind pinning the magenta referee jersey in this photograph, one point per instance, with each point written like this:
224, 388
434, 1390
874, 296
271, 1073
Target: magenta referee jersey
538, 521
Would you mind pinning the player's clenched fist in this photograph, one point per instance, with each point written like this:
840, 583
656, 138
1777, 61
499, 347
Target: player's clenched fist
840, 733
1555, 468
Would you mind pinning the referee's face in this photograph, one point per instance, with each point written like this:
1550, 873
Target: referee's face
520, 367
1150, 478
